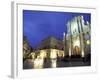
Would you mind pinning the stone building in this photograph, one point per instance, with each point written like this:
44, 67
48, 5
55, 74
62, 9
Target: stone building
51, 47
77, 40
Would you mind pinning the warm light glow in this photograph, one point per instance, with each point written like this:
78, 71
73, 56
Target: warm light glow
53, 63
77, 50
60, 53
82, 53
53, 53
43, 54
38, 63
33, 55
76, 43
69, 52
88, 42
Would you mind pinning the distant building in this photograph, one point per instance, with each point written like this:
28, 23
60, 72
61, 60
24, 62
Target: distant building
77, 40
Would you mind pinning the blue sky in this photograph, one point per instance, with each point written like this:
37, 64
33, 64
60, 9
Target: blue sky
37, 25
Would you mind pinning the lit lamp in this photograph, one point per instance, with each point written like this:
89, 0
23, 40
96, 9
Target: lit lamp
88, 42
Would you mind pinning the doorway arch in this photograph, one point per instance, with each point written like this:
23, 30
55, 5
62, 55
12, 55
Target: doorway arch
77, 50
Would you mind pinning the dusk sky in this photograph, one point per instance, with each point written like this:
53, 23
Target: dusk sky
38, 25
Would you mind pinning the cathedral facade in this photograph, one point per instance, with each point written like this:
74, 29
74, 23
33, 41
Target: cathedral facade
77, 40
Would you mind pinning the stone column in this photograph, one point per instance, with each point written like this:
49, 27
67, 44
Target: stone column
69, 39
80, 22
64, 42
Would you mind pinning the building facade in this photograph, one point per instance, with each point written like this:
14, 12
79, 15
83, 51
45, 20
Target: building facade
47, 53
77, 40
51, 47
